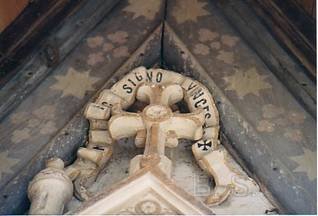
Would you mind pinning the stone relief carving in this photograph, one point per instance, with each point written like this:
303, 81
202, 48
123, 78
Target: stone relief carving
156, 127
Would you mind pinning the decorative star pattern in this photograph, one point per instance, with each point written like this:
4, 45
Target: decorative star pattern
143, 8
39, 121
113, 42
207, 35
265, 125
307, 163
20, 135
18, 117
245, 83
289, 122
189, 10
229, 40
226, 56
215, 45
201, 49
272, 111
294, 134
223, 44
6, 163
74, 83
95, 58
94, 42
121, 51
108, 47
104, 48
44, 112
119, 37
296, 117
48, 128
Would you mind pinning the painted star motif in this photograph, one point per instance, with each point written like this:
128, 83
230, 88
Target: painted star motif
48, 128
294, 134
271, 111
201, 49
189, 10
108, 47
229, 40
121, 51
119, 37
306, 163
207, 35
226, 56
215, 45
20, 135
265, 126
94, 42
45, 112
143, 8
95, 58
248, 82
19, 117
74, 83
296, 117
33, 123
6, 163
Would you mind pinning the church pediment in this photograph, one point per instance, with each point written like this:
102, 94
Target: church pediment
147, 192
261, 118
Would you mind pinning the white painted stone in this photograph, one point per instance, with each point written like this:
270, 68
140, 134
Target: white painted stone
125, 125
230, 180
50, 189
127, 86
97, 111
162, 77
198, 96
97, 156
211, 133
136, 164
100, 137
149, 191
186, 125
109, 99
170, 94
96, 124
159, 125
140, 138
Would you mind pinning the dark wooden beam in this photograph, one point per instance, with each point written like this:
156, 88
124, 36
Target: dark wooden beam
33, 24
58, 44
285, 67
292, 27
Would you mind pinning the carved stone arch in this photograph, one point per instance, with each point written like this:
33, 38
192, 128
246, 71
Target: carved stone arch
155, 128
196, 95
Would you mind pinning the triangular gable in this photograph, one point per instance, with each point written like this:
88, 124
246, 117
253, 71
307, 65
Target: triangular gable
148, 191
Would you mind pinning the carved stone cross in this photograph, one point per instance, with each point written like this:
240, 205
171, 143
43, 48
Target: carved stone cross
154, 128
157, 126
205, 144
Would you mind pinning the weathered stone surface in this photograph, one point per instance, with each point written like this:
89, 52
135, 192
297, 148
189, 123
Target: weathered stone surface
64, 145
243, 88
269, 129
38, 119
50, 189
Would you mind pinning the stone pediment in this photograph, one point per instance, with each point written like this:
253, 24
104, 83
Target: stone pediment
159, 125
148, 191
262, 123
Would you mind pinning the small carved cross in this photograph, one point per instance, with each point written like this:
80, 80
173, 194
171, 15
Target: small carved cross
206, 145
